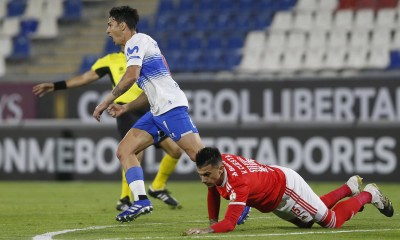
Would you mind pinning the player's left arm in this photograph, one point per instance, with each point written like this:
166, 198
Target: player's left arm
140, 103
130, 77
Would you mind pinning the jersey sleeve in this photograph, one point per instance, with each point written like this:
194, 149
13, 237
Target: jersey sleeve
102, 66
134, 52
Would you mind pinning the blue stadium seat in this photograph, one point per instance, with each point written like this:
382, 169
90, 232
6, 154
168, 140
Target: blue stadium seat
206, 21
394, 60
187, 6
174, 60
263, 20
185, 23
246, 21
232, 59
225, 22
247, 5
21, 47
175, 43
206, 5
16, 8
213, 61
267, 5
214, 42
192, 61
194, 42
28, 26
87, 62
165, 7
235, 41
286, 4
144, 25
165, 22
223, 6
72, 10
110, 47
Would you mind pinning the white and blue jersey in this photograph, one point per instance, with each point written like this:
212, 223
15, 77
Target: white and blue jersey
155, 79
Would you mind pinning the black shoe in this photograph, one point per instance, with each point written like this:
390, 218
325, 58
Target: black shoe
123, 204
164, 196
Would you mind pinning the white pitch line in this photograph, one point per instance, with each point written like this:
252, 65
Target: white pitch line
50, 235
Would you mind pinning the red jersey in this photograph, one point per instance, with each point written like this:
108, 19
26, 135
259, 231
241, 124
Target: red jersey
246, 182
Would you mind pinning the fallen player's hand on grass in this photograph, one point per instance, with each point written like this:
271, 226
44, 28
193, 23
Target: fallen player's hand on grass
193, 231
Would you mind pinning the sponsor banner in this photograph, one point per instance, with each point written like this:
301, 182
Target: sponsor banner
17, 102
260, 103
89, 152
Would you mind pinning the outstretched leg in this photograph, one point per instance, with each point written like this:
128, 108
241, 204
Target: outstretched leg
350, 188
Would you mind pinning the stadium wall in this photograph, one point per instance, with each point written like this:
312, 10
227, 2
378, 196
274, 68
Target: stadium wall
326, 130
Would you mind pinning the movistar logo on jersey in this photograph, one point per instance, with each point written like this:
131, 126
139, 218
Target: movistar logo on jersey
131, 51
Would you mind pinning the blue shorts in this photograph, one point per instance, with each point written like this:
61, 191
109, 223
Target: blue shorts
175, 123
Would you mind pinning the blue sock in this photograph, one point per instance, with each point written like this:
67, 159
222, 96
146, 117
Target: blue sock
134, 174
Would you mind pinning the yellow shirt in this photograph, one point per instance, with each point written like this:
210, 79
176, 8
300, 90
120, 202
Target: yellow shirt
114, 64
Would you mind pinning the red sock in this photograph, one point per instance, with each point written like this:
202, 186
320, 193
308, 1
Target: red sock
345, 210
331, 198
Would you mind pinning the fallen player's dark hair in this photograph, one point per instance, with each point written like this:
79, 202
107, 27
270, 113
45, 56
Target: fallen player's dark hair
208, 155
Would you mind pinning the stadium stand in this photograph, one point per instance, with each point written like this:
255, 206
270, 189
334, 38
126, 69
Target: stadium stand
238, 36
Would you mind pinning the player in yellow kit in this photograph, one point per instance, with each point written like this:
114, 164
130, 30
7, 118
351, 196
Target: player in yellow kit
114, 65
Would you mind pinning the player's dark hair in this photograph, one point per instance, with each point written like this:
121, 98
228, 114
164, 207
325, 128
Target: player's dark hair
125, 14
207, 156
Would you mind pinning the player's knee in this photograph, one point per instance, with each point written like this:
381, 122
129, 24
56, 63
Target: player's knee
176, 152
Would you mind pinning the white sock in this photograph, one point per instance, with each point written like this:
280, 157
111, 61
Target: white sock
137, 187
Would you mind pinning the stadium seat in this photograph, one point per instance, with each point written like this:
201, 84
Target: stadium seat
387, 4
194, 42
234, 41
54, 8
364, 19
276, 40
343, 20
185, 22
47, 28
225, 22
296, 40
110, 47
366, 4
381, 38
323, 21
187, 6
28, 26
206, 5
307, 5
250, 63
327, 5
165, 22
303, 21
214, 42
174, 43
21, 47
337, 39
3, 8
359, 38
6, 46
317, 40
357, 58
313, 59
386, 18
394, 59
193, 61
16, 8
165, 7
245, 22
286, 4
145, 26
33, 8
213, 61
282, 21
347, 4
223, 6
247, 5
271, 60
292, 59
10, 26
87, 62
264, 20
72, 10
231, 60
335, 59
254, 42
206, 22
174, 60
379, 58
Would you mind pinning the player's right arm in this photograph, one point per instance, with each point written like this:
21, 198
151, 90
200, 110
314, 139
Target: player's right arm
77, 81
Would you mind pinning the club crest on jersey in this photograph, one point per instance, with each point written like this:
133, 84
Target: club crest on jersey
232, 197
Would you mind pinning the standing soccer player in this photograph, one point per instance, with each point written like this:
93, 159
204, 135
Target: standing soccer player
168, 104
114, 65
279, 190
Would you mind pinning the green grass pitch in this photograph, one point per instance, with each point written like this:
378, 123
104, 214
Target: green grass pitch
86, 210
